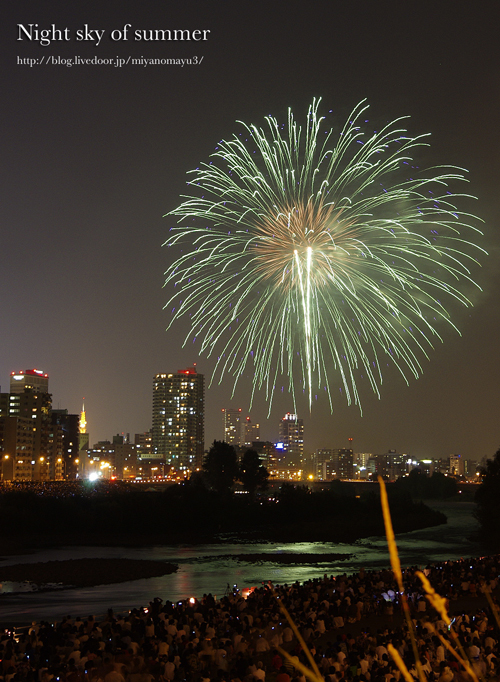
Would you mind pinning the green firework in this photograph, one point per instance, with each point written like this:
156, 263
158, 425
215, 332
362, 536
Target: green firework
318, 256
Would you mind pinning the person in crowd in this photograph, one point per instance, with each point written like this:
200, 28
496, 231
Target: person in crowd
237, 639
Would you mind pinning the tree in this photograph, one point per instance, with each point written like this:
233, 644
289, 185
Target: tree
422, 486
487, 499
296, 502
220, 467
253, 475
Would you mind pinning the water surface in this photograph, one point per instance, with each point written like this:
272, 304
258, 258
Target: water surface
207, 568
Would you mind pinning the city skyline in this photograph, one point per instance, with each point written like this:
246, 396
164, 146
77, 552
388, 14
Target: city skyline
96, 155
38, 443
286, 435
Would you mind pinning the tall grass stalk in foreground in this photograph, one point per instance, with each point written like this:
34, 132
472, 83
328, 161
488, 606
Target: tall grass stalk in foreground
398, 575
313, 674
454, 647
493, 607
434, 599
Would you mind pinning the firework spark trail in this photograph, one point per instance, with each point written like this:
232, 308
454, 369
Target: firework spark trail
309, 255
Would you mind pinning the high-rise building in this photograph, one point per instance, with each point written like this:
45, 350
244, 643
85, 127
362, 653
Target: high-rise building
323, 464
38, 408
30, 403
456, 465
54, 469
16, 447
331, 463
239, 431
391, 465
361, 464
69, 424
83, 434
34, 379
267, 454
148, 467
233, 425
342, 459
143, 443
291, 438
178, 419
251, 433
4, 404
37, 443
362, 458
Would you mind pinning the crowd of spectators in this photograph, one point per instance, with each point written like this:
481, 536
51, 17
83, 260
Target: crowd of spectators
346, 622
61, 489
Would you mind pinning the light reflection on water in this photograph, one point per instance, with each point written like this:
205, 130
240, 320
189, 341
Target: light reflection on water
215, 571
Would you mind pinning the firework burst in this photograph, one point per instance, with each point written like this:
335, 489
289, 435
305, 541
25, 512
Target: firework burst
309, 254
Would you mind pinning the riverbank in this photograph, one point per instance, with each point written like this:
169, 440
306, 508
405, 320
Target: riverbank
303, 559
217, 570
38, 519
239, 631
346, 528
74, 573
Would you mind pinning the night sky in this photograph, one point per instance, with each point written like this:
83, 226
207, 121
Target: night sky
94, 156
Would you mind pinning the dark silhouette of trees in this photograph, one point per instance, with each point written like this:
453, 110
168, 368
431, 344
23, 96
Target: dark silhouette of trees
343, 489
424, 487
487, 499
114, 514
220, 467
294, 502
253, 475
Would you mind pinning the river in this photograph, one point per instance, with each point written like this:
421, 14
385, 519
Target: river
207, 568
